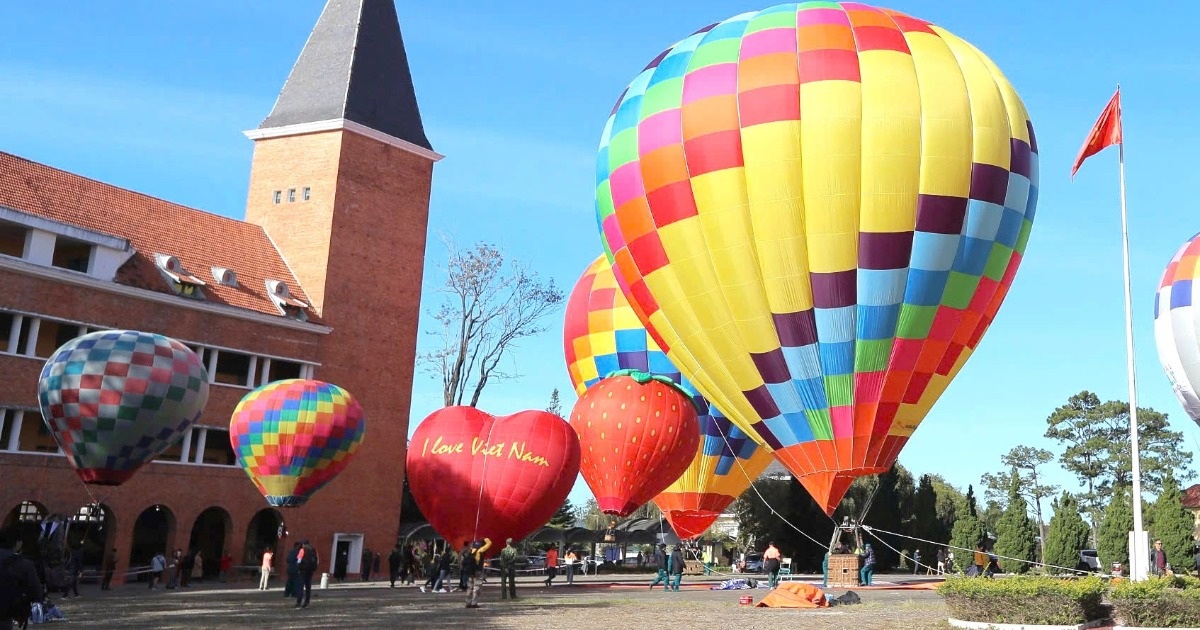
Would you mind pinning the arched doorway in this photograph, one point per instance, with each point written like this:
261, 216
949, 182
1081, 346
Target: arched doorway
151, 534
264, 532
209, 533
91, 527
26, 517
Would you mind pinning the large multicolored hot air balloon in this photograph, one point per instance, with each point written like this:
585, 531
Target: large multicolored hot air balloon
1176, 316
474, 475
817, 210
292, 437
116, 399
601, 335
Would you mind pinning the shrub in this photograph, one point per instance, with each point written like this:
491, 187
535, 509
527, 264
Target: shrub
1025, 600
1164, 602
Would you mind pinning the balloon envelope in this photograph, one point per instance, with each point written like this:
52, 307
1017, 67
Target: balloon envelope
817, 210
292, 437
602, 334
475, 476
1175, 325
116, 399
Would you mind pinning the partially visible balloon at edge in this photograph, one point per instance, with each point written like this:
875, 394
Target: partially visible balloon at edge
1176, 330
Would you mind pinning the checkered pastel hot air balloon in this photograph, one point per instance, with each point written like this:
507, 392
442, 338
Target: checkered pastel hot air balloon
817, 210
294, 436
116, 399
602, 335
1176, 319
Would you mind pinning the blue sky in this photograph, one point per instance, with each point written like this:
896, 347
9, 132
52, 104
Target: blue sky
154, 96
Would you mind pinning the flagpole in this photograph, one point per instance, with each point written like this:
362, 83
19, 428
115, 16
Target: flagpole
1139, 556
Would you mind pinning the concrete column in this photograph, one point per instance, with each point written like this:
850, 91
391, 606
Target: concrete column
250, 378
186, 449
14, 435
212, 366
14, 335
199, 458
266, 372
35, 326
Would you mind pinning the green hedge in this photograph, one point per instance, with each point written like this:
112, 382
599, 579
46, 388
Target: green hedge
1165, 602
1025, 600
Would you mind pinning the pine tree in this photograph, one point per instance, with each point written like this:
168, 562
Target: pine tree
924, 523
968, 532
1113, 534
565, 517
1067, 534
1173, 524
555, 406
1016, 534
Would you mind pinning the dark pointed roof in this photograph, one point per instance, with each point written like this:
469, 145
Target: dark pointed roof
353, 66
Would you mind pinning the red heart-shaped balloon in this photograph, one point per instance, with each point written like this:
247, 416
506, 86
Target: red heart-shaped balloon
475, 475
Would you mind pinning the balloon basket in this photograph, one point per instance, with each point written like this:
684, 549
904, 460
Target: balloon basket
746, 600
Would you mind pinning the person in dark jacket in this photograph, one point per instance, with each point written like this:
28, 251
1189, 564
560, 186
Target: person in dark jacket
293, 560
395, 561
21, 587
1158, 559
675, 567
305, 567
660, 563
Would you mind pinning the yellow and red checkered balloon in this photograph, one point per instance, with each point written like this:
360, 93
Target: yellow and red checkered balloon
294, 436
817, 210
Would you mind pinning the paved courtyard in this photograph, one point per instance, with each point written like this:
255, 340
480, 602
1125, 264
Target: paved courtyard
590, 601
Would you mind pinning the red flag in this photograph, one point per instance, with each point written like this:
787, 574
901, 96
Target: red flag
1105, 133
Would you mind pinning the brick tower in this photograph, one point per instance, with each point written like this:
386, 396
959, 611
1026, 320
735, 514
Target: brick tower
340, 181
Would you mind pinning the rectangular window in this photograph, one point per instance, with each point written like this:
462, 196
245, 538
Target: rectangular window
36, 437
173, 452
233, 368
53, 335
291, 195
7, 418
23, 335
307, 192
278, 195
71, 254
12, 239
6, 324
217, 449
281, 370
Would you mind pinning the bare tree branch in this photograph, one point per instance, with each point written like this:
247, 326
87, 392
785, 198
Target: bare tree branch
492, 303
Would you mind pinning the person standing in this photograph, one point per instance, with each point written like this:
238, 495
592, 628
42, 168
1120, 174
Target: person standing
395, 561
21, 587
508, 570
868, 569
675, 567
364, 570
1158, 559
74, 568
462, 557
472, 565
267, 559
771, 563
224, 565
174, 566
941, 561
308, 560
198, 566
570, 561
110, 567
660, 564
157, 564
551, 564
293, 571
916, 561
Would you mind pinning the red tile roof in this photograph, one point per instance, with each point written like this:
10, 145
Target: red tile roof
1191, 497
199, 240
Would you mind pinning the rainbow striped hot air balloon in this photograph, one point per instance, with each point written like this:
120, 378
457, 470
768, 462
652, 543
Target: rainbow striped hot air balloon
294, 436
817, 210
602, 335
1176, 320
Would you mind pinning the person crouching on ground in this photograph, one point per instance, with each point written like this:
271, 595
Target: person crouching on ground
472, 566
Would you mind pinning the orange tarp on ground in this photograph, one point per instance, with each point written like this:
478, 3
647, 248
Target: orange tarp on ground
794, 595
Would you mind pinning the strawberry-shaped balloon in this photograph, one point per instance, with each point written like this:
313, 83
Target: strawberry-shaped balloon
637, 434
